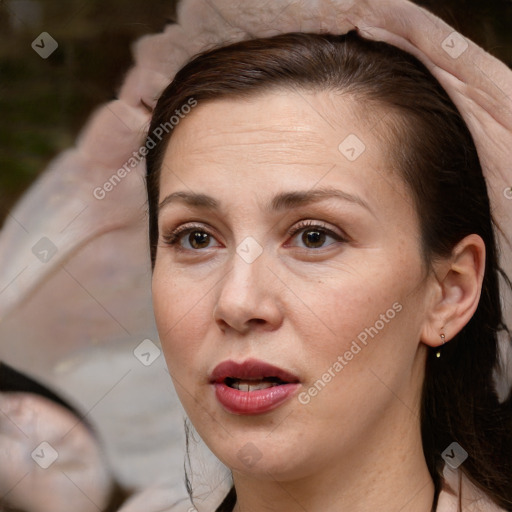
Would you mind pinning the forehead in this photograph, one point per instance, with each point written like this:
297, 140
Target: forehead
280, 139
275, 120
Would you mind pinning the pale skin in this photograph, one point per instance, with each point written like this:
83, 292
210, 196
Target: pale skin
356, 446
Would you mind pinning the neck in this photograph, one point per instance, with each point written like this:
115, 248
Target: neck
385, 470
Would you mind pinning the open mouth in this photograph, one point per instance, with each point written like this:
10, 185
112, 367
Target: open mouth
251, 375
253, 384
252, 387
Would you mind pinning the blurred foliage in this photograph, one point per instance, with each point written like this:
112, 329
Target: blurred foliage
45, 102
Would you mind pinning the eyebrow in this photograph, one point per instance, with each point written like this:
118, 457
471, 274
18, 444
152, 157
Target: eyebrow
280, 202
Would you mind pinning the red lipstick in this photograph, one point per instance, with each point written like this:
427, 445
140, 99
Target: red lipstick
252, 387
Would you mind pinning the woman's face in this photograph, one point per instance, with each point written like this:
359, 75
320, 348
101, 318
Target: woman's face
301, 276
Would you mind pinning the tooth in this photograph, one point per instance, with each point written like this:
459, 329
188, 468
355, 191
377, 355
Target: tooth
263, 385
248, 386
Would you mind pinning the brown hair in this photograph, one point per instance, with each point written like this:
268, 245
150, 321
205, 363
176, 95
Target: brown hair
436, 157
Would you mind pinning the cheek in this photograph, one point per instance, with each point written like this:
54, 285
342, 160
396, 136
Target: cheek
365, 313
181, 311
341, 306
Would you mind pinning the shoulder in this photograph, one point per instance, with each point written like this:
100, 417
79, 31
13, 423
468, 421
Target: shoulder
457, 488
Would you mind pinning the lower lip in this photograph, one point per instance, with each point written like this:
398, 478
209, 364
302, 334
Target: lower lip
253, 402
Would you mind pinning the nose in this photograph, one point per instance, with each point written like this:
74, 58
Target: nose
248, 297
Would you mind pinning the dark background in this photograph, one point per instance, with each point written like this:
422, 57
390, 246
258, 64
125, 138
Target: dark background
45, 102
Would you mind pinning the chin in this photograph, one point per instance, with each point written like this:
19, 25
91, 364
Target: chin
262, 458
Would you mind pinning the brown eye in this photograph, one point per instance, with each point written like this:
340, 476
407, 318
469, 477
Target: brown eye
314, 236
190, 238
198, 239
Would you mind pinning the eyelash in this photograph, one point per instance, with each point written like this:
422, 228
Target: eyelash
313, 225
174, 237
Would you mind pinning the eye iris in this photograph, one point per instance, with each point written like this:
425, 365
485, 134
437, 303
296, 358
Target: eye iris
198, 238
313, 238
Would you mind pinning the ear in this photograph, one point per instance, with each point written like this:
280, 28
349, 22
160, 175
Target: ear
456, 288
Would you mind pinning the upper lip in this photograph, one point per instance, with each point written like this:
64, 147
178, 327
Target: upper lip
250, 369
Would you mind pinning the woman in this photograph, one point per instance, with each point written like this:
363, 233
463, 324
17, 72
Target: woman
325, 278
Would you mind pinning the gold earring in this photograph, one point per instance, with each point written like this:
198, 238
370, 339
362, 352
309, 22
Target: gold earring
438, 353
